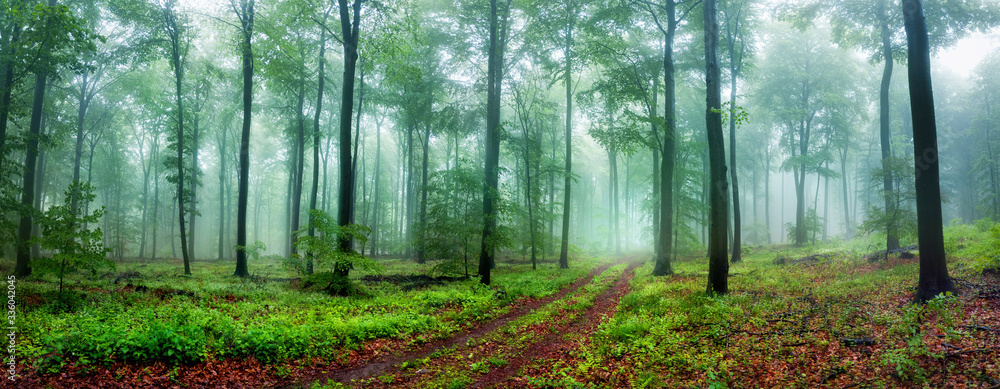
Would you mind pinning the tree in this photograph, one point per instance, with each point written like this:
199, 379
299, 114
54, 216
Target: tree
345, 205
498, 20
58, 38
808, 77
873, 26
934, 278
735, 15
245, 13
718, 264
76, 248
178, 45
666, 218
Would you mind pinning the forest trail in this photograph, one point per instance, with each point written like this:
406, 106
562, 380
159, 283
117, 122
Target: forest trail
562, 338
509, 349
373, 367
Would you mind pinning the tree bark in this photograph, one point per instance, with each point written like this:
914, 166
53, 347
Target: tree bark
734, 71
664, 253
300, 159
568, 74
321, 78
246, 23
345, 209
892, 241
494, 80
934, 278
22, 267
718, 265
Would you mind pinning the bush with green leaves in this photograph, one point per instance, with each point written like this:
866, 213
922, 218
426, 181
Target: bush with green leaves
324, 245
75, 248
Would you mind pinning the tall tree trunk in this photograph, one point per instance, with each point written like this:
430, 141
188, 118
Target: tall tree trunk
568, 74
156, 200
494, 80
734, 71
423, 196
615, 210
36, 249
409, 189
7, 81
289, 192
718, 266
528, 198
300, 157
22, 267
321, 78
146, 168
345, 209
194, 178
378, 178
656, 169
222, 195
80, 116
934, 278
767, 192
892, 241
663, 256
843, 177
246, 17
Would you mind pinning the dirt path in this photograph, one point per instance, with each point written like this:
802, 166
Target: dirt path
562, 338
373, 367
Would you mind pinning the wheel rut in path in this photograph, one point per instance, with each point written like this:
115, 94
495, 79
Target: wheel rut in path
366, 368
554, 345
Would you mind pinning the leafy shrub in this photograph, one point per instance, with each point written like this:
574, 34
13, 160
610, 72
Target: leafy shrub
76, 248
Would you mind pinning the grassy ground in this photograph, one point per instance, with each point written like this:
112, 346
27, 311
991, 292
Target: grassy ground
821, 315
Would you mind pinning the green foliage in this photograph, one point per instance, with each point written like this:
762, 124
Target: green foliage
324, 247
902, 218
76, 249
990, 257
454, 211
813, 225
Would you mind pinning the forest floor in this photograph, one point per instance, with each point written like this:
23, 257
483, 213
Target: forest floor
816, 316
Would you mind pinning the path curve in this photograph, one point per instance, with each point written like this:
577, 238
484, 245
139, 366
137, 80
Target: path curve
374, 367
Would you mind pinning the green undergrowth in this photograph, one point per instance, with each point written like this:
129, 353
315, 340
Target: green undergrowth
800, 323
147, 311
514, 337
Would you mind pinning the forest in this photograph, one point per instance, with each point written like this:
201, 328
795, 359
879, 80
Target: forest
500, 193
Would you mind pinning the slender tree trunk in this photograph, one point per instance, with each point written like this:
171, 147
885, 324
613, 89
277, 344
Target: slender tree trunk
7, 82
568, 176
734, 71
156, 200
246, 22
23, 265
222, 195
321, 78
767, 192
300, 157
527, 190
494, 80
36, 249
616, 212
843, 177
934, 278
892, 241
718, 266
146, 168
409, 189
423, 197
194, 179
80, 116
378, 178
345, 209
663, 260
